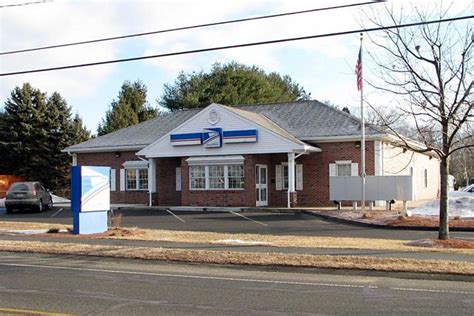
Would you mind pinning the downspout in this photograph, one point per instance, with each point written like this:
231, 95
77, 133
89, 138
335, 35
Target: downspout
74, 158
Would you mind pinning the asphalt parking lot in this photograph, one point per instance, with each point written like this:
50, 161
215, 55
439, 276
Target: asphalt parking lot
255, 222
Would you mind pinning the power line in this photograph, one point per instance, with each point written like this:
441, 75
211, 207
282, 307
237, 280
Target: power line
23, 4
187, 27
194, 51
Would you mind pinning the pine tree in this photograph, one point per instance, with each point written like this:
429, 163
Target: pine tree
130, 108
33, 131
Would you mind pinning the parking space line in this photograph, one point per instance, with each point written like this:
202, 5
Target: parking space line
176, 216
248, 218
59, 211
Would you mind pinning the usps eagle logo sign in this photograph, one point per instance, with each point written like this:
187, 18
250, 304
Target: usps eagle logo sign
212, 137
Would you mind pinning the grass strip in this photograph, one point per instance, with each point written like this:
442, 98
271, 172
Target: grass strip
244, 258
283, 241
162, 235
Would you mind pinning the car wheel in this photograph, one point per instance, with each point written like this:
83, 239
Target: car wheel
9, 210
50, 204
40, 206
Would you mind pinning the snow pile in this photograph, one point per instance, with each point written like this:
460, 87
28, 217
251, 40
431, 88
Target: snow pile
460, 204
238, 242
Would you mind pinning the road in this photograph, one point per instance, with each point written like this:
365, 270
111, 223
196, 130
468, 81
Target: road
246, 222
99, 286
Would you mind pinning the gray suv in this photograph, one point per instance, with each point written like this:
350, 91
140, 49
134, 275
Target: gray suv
28, 195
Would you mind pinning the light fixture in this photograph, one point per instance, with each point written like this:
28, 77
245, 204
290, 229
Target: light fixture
117, 154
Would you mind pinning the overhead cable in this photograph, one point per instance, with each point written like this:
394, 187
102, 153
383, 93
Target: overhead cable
201, 50
23, 4
186, 28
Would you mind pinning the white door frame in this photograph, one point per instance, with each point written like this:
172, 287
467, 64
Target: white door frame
261, 187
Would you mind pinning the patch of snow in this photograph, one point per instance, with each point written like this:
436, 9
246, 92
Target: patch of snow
239, 242
460, 204
32, 231
59, 200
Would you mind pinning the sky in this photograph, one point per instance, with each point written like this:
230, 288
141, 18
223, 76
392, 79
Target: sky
324, 66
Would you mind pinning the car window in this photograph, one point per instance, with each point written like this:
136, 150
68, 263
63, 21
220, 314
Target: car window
42, 188
37, 187
19, 187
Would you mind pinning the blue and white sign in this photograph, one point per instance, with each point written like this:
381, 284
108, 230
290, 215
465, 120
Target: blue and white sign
243, 136
90, 198
215, 137
212, 137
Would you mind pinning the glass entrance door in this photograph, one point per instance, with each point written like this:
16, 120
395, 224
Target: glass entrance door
261, 186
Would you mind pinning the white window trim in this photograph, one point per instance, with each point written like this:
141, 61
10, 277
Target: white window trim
216, 160
207, 179
137, 179
333, 170
283, 165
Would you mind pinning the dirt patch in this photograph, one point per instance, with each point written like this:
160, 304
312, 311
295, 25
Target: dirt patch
244, 258
392, 218
451, 243
429, 221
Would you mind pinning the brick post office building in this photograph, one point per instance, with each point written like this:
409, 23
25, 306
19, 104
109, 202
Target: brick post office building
280, 154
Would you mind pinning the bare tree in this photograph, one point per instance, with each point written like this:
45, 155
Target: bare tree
428, 70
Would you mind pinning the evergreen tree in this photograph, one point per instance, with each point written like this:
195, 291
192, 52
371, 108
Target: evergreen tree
230, 84
33, 131
130, 108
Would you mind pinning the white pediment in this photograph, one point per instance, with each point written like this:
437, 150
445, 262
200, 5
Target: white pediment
220, 130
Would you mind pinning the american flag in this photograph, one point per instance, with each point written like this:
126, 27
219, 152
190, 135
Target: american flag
358, 70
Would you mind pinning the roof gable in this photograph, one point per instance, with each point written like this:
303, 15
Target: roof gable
191, 138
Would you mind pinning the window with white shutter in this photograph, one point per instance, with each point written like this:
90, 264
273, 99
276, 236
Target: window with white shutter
354, 169
122, 179
278, 177
332, 170
281, 177
178, 179
299, 177
112, 179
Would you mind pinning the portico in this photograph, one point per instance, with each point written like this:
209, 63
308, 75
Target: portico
220, 151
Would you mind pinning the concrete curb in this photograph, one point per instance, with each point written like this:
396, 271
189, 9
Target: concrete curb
381, 226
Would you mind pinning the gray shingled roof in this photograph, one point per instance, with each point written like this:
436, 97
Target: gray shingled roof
311, 119
302, 119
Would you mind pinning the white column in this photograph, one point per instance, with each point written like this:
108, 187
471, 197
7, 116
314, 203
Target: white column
74, 159
151, 178
291, 176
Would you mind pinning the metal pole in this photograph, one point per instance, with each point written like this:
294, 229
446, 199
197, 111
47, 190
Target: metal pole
362, 147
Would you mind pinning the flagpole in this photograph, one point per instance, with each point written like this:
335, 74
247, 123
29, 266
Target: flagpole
362, 145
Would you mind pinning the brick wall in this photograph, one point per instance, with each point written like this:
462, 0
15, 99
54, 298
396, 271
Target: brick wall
315, 178
110, 160
166, 182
